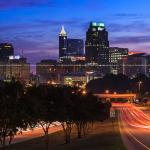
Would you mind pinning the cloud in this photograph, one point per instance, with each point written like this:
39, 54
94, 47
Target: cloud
5, 4
131, 39
22, 26
40, 23
128, 15
35, 56
57, 22
75, 23
137, 26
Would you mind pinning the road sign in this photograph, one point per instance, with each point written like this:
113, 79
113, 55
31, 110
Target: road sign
112, 114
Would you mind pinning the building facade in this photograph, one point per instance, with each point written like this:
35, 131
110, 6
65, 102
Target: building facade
47, 70
97, 44
148, 65
75, 47
62, 44
70, 50
17, 68
133, 65
115, 55
6, 50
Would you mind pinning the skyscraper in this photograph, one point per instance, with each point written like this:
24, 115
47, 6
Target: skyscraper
96, 48
62, 44
70, 50
75, 47
6, 50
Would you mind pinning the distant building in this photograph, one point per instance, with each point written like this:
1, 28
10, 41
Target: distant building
62, 44
6, 50
34, 79
74, 80
51, 70
15, 67
133, 65
148, 64
97, 44
70, 50
115, 55
75, 47
46, 70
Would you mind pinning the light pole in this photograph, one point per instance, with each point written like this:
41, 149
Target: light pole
139, 83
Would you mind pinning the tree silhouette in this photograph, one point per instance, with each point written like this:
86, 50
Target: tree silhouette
11, 120
42, 102
114, 83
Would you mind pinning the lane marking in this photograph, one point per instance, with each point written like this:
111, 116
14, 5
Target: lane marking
147, 148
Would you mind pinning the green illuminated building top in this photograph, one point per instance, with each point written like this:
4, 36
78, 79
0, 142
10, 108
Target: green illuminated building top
97, 43
100, 24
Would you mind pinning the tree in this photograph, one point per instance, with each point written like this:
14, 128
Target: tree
42, 102
87, 110
11, 121
114, 83
65, 102
82, 116
143, 81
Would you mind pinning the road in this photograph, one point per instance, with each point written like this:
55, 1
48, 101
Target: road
38, 132
134, 127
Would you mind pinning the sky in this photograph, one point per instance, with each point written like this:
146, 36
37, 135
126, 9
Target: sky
33, 26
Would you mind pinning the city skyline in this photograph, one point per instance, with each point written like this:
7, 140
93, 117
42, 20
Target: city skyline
33, 27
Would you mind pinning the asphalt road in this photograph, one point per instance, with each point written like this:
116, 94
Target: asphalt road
37, 132
134, 127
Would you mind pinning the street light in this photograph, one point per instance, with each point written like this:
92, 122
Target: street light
139, 83
107, 91
84, 92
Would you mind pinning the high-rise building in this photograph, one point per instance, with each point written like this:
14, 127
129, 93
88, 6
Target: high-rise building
97, 43
62, 44
6, 50
70, 50
75, 47
115, 55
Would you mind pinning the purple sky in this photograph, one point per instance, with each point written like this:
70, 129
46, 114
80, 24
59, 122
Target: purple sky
32, 26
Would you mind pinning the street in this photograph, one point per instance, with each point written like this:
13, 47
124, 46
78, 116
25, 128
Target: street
37, 132
134, 127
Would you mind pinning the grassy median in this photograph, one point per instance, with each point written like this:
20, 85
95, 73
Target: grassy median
103, 136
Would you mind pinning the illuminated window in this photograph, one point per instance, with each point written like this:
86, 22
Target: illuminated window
94, 29
100, 29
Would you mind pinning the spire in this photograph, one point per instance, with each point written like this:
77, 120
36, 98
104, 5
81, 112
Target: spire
62, 32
